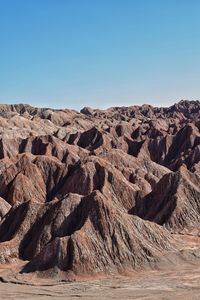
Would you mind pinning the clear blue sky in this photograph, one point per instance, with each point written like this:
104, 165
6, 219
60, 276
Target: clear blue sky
99, 53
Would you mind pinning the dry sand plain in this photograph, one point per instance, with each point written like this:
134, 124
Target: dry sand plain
175, 284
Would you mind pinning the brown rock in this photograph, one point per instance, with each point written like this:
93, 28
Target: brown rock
81, 193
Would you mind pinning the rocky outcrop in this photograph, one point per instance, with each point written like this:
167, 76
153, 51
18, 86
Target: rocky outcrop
4, 208
96, 174
98, 191
174, 202
98, 238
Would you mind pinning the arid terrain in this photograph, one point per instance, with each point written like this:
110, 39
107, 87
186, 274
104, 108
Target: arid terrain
100, 204
155, 285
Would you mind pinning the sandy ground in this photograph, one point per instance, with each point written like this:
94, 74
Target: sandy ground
177, 281
181, 284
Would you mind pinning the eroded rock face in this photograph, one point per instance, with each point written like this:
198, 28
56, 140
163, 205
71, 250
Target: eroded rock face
99, 234
174, 202
4, 208
100, 191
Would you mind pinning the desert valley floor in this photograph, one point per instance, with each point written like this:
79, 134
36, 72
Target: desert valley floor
177, 284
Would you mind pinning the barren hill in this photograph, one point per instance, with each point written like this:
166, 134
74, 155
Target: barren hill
99, 191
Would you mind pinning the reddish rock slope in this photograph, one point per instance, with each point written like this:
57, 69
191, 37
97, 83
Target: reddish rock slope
100, 191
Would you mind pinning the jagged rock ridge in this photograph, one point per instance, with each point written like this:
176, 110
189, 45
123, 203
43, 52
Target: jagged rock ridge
100, 191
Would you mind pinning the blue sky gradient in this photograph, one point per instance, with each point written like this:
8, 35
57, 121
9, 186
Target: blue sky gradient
99, 53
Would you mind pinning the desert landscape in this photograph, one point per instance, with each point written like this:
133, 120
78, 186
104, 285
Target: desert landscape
99, 150
100, 203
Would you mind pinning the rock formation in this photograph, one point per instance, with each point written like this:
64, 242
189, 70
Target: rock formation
98, 191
